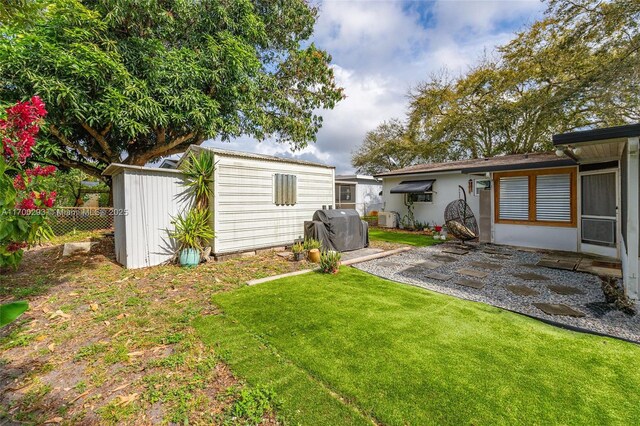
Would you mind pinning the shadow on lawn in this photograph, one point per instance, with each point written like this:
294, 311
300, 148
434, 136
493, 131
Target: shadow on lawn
43, 268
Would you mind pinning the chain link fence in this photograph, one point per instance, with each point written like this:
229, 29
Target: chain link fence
64, 220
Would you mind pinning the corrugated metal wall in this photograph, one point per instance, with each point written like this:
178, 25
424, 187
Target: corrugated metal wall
153, 199
246, 216
119, 218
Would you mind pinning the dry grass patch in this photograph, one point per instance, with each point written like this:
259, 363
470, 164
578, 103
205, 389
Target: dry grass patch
104, 344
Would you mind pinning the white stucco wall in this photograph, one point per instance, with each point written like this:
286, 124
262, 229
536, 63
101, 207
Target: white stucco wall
367, 197
545, 237
445, 191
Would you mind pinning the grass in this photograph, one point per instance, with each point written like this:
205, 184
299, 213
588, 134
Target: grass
417, 239
98, 333
353, 348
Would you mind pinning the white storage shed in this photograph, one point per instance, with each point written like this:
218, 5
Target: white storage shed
259, 202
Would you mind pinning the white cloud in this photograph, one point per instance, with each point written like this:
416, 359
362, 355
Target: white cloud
381, 49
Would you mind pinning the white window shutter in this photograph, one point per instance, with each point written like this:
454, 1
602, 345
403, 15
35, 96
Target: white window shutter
553, 198
514, 198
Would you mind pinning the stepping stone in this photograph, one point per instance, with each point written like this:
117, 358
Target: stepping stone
445, 258
530, 276
76, 248
284, 254
558, 264
436, 276
469, 283
558, 309
600, 309
500, 255
565, 290
454, 250
421, 268
603, 264
497, 252
387, 264
522, 290
473, 273
487, 265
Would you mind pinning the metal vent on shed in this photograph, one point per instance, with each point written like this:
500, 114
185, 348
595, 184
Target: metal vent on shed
285, 189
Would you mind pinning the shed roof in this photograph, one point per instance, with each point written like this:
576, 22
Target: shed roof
115, 168
479, 165
242, 154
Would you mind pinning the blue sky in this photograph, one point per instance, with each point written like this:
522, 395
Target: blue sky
382, 49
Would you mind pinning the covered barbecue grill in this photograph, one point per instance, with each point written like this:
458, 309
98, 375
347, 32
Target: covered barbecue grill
339, 229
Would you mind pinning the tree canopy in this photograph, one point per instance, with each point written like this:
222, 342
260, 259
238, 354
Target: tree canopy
131, 81
577, 67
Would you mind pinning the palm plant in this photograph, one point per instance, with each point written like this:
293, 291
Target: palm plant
198, 174
193, 230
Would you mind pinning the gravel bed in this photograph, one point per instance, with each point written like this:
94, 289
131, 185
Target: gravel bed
598, 317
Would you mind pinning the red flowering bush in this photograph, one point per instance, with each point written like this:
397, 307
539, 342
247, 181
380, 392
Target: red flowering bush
23, 203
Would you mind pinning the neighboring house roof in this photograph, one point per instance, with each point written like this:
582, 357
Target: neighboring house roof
480, 165
168, 163
242, 154
586, 136
356, 177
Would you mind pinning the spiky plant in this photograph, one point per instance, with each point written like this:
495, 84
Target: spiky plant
193, 230
198, 174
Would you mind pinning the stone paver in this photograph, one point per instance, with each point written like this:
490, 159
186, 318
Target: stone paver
600, 309
453, 250
565, 290
469, 283
522, 290
497, 252
444, 258
473, 273
558, 309
388, 264
530, 276
436, 276
487, 265
567, 265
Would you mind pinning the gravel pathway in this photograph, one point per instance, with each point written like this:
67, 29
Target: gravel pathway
500, 267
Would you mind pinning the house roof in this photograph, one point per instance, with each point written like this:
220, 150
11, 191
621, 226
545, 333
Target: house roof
480, 165
242, 154
594, 135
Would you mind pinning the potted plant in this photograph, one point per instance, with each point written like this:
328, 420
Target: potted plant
298, 252
192, 232
330, 262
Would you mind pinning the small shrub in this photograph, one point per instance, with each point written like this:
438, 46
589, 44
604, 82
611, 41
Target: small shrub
310, 244
297, 248
330, 262
254, 403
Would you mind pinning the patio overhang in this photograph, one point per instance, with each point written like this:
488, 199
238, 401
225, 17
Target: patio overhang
597, 145
413, 187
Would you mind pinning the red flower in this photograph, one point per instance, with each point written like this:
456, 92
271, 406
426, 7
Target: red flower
27, 204
15, 246
19, 129
19, 183
41, 171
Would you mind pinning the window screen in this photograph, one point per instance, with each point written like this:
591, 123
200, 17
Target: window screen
514, 198
285, 189
421, 198
553, 198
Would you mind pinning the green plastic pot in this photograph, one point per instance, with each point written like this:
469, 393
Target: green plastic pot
189, 257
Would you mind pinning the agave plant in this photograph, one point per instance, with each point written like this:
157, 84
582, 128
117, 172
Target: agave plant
198, 173
193, 230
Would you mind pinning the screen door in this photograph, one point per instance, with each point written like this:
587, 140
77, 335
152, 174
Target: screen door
599, 209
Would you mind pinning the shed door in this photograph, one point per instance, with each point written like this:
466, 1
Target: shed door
598, 220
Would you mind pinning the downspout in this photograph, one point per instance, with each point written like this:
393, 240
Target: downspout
633, 217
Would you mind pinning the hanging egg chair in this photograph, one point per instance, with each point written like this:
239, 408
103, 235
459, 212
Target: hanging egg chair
460, 220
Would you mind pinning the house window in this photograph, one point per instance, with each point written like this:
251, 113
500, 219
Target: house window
345, 193
285, 189
538, 197
420, 198
481, 185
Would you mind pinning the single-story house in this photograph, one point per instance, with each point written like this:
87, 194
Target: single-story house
582, 198
360, 192
259, 202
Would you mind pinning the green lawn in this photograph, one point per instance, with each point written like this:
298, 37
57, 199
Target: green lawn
352, 348
419, 240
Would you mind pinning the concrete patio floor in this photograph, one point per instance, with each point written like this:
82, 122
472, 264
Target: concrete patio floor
554, 286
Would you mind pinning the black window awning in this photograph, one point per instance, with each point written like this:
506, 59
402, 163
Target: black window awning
413, 187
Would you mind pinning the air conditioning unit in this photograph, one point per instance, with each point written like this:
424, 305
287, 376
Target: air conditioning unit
387, 219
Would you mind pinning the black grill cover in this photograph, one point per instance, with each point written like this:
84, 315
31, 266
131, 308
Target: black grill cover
339, 229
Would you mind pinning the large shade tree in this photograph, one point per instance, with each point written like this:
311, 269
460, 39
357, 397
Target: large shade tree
131, 81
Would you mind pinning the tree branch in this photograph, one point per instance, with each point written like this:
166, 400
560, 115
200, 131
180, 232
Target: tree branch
66, 142
100, 139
